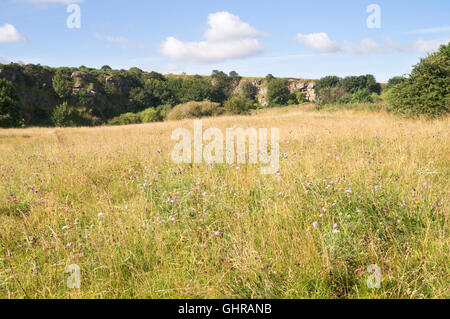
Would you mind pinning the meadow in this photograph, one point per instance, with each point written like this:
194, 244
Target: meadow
355, 188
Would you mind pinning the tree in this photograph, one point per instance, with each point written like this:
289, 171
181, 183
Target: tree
394, 81
141, 99
106, 68
10, 105
238, 105
158, 90
269, 77
248, 90
62, 84
426, 91
278, 92
64, 115
196, 89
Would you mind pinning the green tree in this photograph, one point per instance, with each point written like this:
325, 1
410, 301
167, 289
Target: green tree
238, 105
64, 115
196, 89
278, 92
10, 105
427, 90
159, 90
62, 84
248, 90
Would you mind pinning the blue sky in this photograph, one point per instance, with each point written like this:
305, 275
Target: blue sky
307, 39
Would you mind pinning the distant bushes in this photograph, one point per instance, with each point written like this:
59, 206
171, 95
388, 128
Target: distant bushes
427, 90
238, 105
194, 110
351, 89
146, 116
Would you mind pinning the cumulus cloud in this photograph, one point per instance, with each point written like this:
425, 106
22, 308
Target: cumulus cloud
122, 42
9, 34
318, 42
365, 47
227, 38
3, 60
322, 43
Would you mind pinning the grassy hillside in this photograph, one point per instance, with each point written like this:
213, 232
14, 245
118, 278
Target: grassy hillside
354, 189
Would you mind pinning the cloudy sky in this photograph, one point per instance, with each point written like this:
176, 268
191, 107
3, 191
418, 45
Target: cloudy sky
307, 39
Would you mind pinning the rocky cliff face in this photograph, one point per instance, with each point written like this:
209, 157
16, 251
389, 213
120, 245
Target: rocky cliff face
306, 87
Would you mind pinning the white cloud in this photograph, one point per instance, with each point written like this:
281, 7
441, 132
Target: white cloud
365, 47
318, 42
9, 34
122, 42
3, 60
227, 38
322, 43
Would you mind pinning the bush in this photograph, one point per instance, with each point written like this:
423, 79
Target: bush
426, 91
125, 119
10, 105
238, 105
194, 110
394, 81
62, 84
331, 96
278, 92
248, 90
64, 115
149, 115
163, 111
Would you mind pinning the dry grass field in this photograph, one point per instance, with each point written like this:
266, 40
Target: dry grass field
354, 189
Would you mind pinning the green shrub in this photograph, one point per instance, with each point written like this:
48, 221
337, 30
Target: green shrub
278, 92
125, 119
248, 90
64, 115
394, 81
62, 84
426, 91
238, 105
149, 115
331, 95
194, 110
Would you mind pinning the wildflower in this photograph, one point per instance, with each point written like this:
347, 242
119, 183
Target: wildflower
349, 191
217, 233
335, 231
100, 215
425, 184
358, 211
172, 219
204, 194
69, 245
321, 215
315, 224
65, 227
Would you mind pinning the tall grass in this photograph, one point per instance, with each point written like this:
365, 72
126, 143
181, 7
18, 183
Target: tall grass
354, 189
